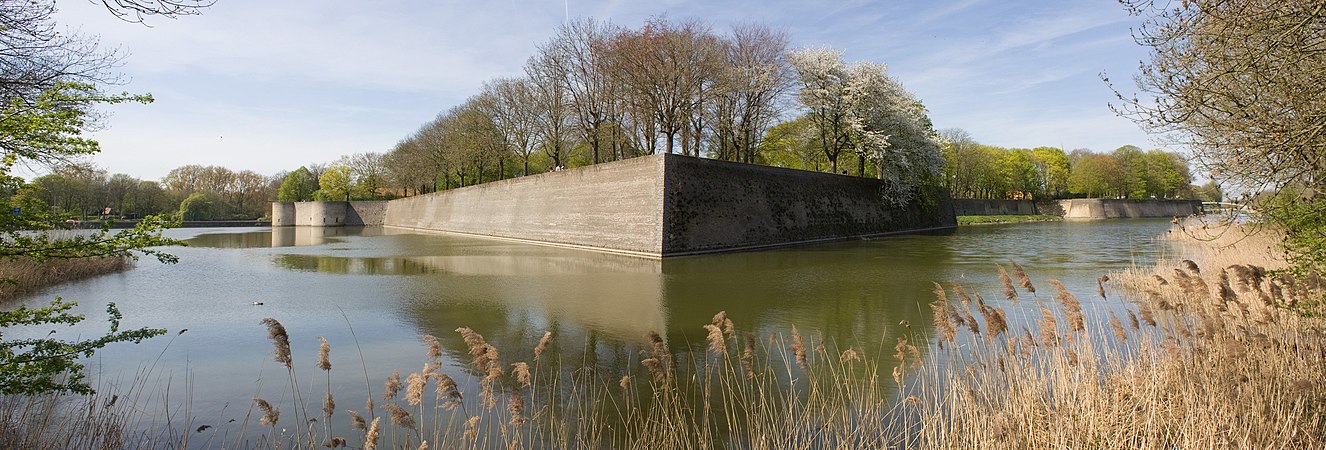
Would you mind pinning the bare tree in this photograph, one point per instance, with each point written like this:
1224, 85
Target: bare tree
1240, 84
756, 77
665, 72
512, 110
578, 48
547, 74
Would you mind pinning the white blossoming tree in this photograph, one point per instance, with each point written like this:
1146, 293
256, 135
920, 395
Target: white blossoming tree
861, 109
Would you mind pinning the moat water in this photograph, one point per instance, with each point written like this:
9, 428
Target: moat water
373, 292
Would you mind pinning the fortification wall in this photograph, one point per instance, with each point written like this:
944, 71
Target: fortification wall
328, 214
367, 213
283, 214
662, 205
614, 206
987, 207
320, 214
716, 205
1095, 208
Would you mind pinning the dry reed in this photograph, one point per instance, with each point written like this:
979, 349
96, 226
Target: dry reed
1240, 369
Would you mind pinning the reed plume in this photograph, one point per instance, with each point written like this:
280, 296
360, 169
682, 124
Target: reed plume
1191, 266
798, 347
1071, 307
996, 321
434, 349
521, 371
371, 438
329, 405
660, 348
414, 388
1049, 327
625, 382
1117, 326
399, 416
1023, 279
392, 385
357, 421
655, 368
516, 407
324, 354
276, 332
1010, 292
970, 320
447, 391
849, 355
716, 342
1147, 316
962, 293
472, 428
941, 309
270, 414
1100, 285
1226, 291
543, 345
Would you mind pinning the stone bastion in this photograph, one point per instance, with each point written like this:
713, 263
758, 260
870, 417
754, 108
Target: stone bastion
655, 206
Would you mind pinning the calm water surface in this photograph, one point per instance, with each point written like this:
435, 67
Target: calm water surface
391, 286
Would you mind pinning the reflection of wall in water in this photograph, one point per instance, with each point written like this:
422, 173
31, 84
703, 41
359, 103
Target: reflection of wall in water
307, 236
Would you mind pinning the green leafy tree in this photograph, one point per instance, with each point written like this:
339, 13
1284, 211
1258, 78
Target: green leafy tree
50, 130
1054, 169
30, 366
298, 186
336, 185
1095, 175
203, 206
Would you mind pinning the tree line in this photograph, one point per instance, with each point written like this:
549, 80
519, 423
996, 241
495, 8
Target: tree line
974, 170
597, 92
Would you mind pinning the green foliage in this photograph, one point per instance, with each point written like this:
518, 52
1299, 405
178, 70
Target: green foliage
40, 365
336, 185
1094, 175
51, 128
1302, 214
298, 186
23, 237
201, 206
47, 130
1209, 192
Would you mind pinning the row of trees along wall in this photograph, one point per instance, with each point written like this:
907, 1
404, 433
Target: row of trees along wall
597, 92
974, 170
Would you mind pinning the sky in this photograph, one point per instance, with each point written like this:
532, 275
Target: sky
269, 86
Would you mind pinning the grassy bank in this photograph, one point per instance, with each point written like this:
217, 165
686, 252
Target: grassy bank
1020, 218
19, 276
1211, 350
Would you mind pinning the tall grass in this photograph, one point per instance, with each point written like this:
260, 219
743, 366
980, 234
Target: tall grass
19, 276
1216, 350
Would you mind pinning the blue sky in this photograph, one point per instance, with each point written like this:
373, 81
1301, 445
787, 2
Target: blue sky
272, 85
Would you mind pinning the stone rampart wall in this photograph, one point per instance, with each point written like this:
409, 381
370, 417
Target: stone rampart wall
1095, 208
714, 205
662, 205
986, 207
613, 206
